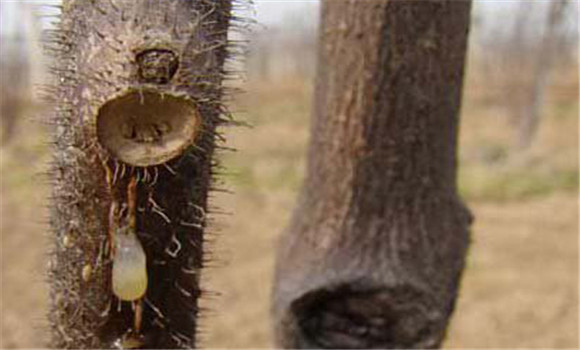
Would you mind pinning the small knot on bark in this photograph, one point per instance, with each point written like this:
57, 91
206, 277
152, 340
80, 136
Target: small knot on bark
156, 66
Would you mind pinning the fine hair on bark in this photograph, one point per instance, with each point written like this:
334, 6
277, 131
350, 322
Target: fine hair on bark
374, 253
139, 99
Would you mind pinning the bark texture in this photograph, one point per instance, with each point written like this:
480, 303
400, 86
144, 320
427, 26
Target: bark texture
127, 51
374, 253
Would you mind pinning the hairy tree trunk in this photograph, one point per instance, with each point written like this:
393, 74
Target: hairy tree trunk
531, 105
138, 96
374, 253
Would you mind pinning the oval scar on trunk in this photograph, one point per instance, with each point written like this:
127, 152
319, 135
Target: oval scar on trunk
146, 128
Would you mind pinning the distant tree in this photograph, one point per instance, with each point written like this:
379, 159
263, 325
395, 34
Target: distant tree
286, 49
14, 95
530, 109
374, 252
15, 71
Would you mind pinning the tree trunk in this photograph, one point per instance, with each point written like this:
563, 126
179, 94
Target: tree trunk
139, 96
531, 108
374, 253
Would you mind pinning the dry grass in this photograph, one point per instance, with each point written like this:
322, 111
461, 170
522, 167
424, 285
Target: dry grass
521, 285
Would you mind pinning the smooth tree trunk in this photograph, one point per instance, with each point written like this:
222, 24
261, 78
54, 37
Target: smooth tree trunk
374, 253
138, 99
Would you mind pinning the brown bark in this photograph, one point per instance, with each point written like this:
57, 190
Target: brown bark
374, 253
130, 75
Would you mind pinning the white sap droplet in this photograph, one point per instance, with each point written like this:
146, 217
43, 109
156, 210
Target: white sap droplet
129, 266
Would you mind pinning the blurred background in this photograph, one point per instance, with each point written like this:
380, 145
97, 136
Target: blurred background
518, 172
